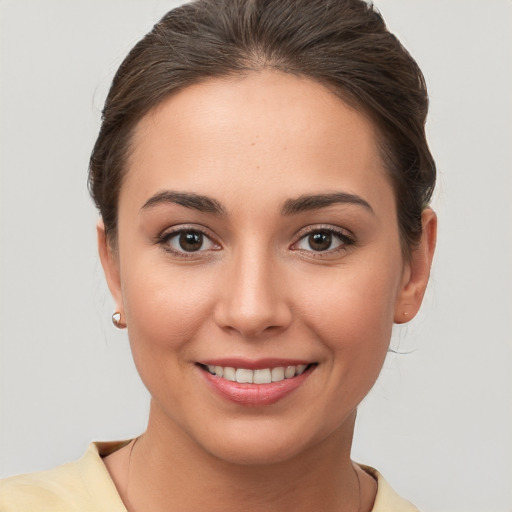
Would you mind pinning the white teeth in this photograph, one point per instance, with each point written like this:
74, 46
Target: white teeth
262, 376
289, 372
244, 376
229, 374
277, 374
301, 368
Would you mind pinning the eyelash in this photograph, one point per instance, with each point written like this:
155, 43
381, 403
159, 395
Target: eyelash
345, 240
165, 238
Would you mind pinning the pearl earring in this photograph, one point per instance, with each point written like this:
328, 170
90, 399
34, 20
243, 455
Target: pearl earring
116, 320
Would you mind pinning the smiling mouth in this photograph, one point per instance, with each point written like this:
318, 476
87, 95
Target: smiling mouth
259, 376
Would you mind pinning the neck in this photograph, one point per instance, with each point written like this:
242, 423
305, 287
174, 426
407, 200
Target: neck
166, 466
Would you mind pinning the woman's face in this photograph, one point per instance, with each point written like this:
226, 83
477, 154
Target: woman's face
258, 231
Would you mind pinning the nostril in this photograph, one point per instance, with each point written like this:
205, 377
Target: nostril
254, 331
252, 318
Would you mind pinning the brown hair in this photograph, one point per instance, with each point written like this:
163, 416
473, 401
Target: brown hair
343, 44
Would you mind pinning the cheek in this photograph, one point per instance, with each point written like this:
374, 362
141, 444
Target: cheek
353, 319
357, 300
165, 309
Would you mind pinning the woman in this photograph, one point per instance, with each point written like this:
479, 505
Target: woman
263, 180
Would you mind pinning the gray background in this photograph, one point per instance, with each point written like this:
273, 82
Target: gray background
438, 423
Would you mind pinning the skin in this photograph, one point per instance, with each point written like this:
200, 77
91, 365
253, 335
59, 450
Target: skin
255, 289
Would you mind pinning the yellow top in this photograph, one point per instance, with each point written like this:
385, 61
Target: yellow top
86, 486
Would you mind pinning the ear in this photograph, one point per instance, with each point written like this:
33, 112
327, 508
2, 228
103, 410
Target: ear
417, 270
110, 263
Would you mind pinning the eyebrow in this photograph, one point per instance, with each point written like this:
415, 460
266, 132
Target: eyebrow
302, 203
188, 200
306, 203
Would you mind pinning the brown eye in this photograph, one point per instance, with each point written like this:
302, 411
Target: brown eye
187, 241
323, 240
320, 241
191, 241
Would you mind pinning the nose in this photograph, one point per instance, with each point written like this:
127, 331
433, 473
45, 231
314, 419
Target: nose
253, 296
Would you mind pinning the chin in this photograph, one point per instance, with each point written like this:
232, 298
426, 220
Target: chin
245, 452
260, 442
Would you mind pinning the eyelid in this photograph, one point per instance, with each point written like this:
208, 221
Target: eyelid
337, 230
170, 232
346, 236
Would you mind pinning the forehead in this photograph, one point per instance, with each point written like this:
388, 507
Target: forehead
256, 131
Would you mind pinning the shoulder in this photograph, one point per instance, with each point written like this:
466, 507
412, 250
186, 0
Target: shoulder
54, 490
80, 486
387, 500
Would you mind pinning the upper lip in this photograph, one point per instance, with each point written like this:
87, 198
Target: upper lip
255, 364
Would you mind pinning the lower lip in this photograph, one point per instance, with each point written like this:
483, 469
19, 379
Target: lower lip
255, 394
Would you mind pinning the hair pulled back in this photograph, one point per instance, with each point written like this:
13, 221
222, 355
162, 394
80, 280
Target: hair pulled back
342, 44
